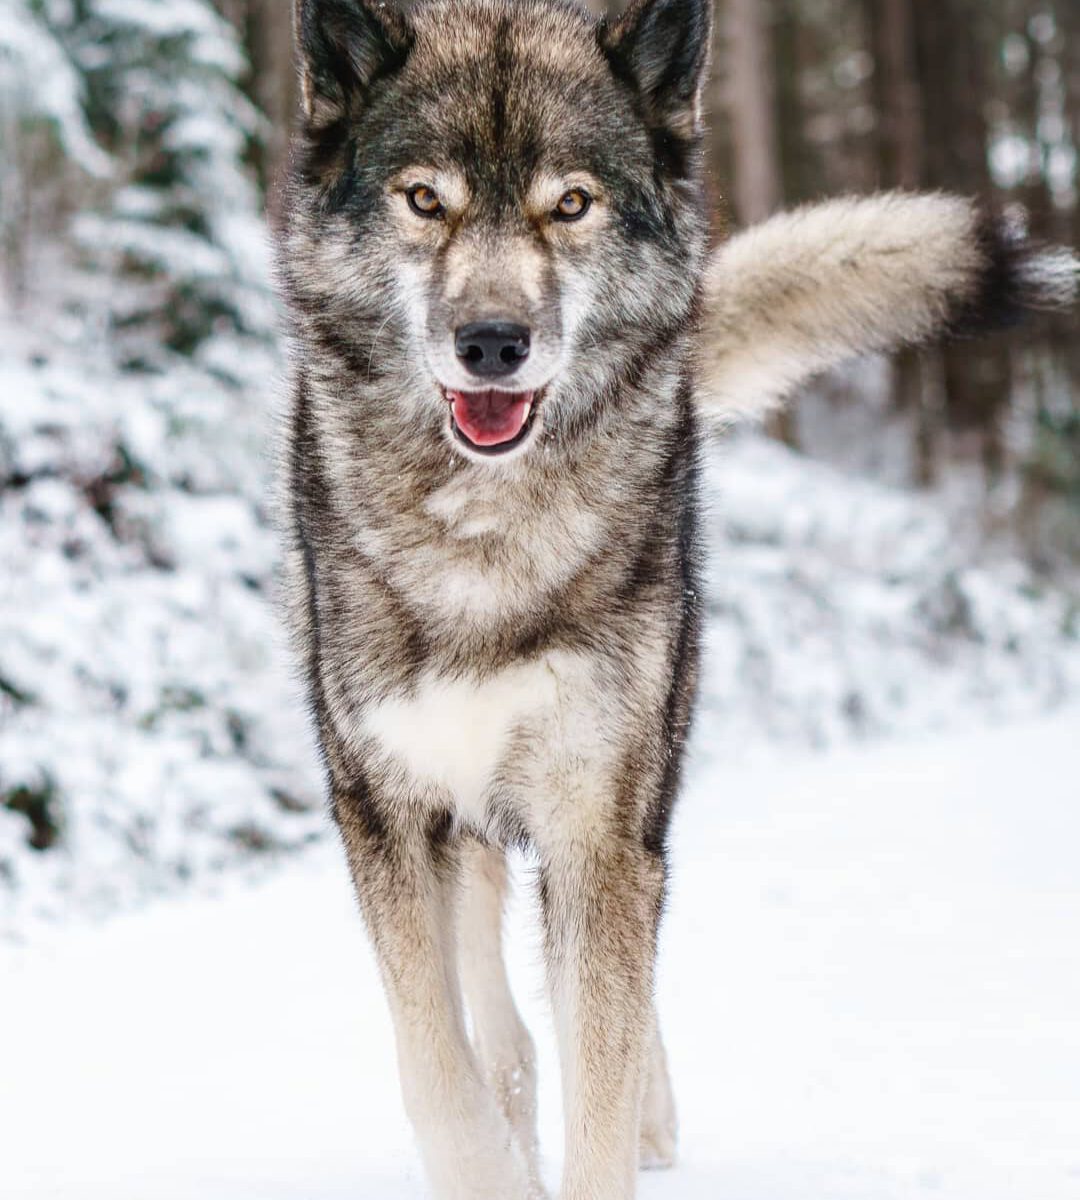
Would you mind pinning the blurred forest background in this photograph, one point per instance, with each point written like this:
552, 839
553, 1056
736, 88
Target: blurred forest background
975, 96
148, 730
809, 98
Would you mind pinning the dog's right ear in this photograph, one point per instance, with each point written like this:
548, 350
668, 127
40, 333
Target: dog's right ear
662, 48
345, 46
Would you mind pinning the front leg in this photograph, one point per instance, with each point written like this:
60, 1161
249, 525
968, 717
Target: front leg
406, 870
601, 896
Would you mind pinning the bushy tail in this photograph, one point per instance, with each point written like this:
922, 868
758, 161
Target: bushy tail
810, 288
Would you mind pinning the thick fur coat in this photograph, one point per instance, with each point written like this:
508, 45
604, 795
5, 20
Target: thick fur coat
506, 329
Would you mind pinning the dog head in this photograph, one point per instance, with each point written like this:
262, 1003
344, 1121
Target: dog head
495, 209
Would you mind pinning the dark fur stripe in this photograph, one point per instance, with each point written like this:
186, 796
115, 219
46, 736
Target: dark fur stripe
1010, 283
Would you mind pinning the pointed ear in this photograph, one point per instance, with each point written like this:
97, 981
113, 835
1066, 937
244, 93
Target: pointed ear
662, 47
344, 47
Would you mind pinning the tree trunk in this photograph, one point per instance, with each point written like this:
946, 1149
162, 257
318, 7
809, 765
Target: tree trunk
266, 29
900, 143
954, 50
751, 106
897, 93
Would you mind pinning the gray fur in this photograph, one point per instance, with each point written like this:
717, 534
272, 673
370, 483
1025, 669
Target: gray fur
503, 650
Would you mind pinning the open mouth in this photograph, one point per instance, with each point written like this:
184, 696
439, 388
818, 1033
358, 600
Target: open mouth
492, 421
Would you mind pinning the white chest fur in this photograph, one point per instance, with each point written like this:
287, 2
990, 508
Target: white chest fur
454, 733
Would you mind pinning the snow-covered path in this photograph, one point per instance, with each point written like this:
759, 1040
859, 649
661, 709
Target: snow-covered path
870, 984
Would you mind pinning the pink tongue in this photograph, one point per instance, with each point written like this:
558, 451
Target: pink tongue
490, 418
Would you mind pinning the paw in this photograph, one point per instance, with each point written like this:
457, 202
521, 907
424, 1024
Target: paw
474, 1156
656, 1150
659, 1129
490, 1176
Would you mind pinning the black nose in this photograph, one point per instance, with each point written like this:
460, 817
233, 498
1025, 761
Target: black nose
492, 348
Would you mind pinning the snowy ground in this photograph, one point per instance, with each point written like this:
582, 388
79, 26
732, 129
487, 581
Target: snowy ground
870, 985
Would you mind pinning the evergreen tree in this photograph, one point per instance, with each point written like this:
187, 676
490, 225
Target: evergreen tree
157, 83
47, 149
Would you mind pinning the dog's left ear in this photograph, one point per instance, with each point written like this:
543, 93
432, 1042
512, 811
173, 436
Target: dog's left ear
662, 47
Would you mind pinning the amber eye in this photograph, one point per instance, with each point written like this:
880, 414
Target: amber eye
425, 202
573, 206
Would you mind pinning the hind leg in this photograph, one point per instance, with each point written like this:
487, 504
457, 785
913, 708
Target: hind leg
659, 1123
407, 876
503, 1046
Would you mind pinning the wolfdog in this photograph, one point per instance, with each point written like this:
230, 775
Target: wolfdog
508, 332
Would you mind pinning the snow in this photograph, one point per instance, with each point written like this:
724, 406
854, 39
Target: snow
870, 987
34, 72
214, 40
146, 685
842, 609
